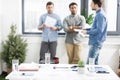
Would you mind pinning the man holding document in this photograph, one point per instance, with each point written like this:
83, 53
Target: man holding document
49, 23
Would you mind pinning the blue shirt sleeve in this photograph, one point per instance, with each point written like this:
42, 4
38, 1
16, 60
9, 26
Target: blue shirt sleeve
97, 25
40, 21
59, 24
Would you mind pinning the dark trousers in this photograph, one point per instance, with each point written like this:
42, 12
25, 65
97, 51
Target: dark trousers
48, 47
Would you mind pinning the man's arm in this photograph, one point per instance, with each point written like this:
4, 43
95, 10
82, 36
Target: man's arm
66, 28
100, 26
54, 28
98, 29
41, 26
82, 24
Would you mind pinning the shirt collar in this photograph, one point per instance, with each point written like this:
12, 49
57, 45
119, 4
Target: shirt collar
98, 10
73, 15
49, 14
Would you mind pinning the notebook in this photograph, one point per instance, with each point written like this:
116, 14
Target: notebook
101, 70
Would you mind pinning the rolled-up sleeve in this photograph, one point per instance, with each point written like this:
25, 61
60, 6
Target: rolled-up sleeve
83, 21
40, 21
59, 24
65, 25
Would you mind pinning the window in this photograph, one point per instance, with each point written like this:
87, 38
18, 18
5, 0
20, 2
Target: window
112, 10
32, 9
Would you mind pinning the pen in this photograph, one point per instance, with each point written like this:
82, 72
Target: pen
61, 67
27, 74
74, 70
102, 72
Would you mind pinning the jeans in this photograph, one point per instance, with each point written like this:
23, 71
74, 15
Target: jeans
94, 52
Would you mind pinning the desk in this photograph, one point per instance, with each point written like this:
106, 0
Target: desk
62, 72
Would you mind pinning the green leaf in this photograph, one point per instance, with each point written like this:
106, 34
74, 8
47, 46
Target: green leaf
81, 63
89, 19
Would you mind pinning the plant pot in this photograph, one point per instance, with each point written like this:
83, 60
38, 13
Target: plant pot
81, 70
56, 60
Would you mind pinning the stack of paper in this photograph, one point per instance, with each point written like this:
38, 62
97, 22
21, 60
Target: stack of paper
101, 70
50, 21
28, 67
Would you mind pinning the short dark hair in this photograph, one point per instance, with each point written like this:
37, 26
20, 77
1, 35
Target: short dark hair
49, 3
73, 3
98, 2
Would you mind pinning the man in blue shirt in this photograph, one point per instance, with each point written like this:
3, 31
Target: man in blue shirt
97, 33
49, 35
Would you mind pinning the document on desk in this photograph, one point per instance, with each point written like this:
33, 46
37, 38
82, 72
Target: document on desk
101, 70
50, 21
28, 67
98, 70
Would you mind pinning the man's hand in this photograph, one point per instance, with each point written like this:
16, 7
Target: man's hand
76, 27
84, 31
41, 27
70, 29
54, 28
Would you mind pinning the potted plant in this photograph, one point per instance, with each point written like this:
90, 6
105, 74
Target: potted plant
13, 48
81, 67
89, 18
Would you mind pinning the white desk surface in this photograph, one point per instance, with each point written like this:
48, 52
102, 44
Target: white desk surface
62, 72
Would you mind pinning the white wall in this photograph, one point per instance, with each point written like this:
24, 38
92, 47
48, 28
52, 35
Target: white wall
11, 13
0, 32
109, 54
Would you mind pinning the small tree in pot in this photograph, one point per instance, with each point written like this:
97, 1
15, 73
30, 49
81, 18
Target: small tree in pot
13, 48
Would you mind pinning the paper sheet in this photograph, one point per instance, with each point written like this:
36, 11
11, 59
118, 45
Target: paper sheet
80, 32
50, 21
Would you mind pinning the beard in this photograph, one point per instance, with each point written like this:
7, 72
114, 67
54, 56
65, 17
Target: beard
73, 13
93, 9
